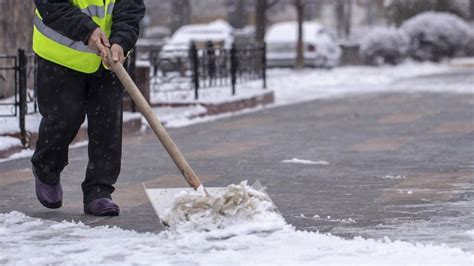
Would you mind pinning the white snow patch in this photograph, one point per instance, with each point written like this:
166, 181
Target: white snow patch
29, 152
470, 233
301, 161
128, 116
463, 61
266, 239
19, 155
7, 142
328, 218
394, 177
79, 144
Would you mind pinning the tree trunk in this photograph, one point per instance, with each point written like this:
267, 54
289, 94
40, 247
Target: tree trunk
260, 20
299, 64
16, 29
348, 18
181, 14
339, 11
471, 9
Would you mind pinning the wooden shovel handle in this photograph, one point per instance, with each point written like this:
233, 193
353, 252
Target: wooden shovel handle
155, 124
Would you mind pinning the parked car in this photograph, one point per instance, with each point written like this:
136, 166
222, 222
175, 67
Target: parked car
320, 48
219, 32
175, 53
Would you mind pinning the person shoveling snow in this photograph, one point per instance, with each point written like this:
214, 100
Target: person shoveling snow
71, 38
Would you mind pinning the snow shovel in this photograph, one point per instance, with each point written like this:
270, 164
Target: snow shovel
162, 199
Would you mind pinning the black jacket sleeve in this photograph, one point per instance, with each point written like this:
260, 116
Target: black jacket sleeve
126, 18
66, 19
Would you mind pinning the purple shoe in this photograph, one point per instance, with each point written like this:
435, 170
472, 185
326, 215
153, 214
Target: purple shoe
102, 207
50, 196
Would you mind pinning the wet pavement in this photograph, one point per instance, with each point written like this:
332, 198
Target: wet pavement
400, 165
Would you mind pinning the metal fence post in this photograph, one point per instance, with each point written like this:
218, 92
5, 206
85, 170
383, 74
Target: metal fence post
264, 64
22, 63
211, 61
233, 67
193, 53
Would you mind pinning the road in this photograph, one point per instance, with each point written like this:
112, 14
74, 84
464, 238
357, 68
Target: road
400, 165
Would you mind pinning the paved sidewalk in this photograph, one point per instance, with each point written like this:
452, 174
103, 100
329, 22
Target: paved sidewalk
401, 165
168, 112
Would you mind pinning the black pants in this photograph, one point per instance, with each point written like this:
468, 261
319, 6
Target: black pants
65, 97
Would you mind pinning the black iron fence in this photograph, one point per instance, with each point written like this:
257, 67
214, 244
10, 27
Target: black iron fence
18, 75
206, 66
191, 70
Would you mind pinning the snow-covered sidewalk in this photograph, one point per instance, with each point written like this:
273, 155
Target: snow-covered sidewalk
265, 240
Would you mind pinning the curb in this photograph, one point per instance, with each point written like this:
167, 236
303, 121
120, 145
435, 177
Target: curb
10, 151
212, 108
229, 107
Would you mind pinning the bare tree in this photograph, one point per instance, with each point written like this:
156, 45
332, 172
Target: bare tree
260, 20
16, 28
261, 8
299, 63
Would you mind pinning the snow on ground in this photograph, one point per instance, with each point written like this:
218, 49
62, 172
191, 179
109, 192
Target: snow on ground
292, 86
11, 124
262, 239
312, 84
171, 114
452, 225
7, 142
394, 177
463, 62
26, 153
301, 161
266, 239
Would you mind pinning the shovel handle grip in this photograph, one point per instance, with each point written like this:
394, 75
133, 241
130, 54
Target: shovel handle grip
155, 124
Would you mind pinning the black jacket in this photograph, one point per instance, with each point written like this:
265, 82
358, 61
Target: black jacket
68, 20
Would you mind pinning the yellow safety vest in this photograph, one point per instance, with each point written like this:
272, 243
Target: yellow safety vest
55, 47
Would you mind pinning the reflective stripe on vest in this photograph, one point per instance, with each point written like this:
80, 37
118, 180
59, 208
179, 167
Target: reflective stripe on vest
94, 11
59, 38
54, 46
98, 11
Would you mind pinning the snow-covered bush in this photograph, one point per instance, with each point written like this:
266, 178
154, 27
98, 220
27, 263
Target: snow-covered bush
398, 11
384, 46
434, 36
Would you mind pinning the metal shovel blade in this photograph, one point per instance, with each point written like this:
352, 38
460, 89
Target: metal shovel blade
163, 198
